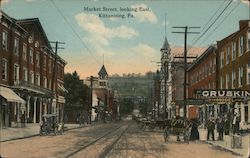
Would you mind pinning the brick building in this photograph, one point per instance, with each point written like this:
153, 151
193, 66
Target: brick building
202, 75
234, 68
28, 70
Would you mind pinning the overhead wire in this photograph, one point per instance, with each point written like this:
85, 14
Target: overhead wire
219, 24
74, 31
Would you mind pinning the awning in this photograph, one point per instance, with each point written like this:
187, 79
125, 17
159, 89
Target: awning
10, 95
62, 88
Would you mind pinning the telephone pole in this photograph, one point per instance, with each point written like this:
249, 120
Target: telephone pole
54, 75
185, 63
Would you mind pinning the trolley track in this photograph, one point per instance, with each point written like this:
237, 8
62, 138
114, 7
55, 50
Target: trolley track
107, 148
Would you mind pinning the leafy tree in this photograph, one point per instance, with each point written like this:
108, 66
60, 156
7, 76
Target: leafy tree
127, 106
78, 96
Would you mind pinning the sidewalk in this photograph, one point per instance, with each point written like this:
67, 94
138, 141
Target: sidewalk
227, 142
30, 130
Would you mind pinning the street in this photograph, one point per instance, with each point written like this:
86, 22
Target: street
102, 140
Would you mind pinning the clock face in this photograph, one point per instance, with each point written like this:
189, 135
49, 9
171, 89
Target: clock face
30, 39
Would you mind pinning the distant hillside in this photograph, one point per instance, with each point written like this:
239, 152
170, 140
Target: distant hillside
132, 85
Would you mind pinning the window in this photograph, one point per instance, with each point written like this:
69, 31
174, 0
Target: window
37, 60
16, 46
4, 69
221, 82
32, 77
16, 73
24, 52
248, 39
214, 65
233, 79
233, 50
31, 55
221, 59
44, 61
25, 74
45, 82
50, 66
37, 79
5, 40
227, 81
49, 84
240, 76
248, 73
241, 45
227, 55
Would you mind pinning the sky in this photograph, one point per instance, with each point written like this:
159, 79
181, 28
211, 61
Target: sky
130, 38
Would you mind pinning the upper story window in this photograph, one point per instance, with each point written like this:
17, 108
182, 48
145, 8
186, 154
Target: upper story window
227, 55
37, 60
240, 76
233, 79
32, 77
31, 55
24, 52
221, 59
214, 65
248, 73
16, 46
248, 40
227, 81
44, 61
16, 73
50, 66
5, 40
45, 82
4, 69
241, 46
221, 82
38, 79
233, 50
25, 74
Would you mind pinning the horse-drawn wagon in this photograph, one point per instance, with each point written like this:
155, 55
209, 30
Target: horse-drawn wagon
179, 127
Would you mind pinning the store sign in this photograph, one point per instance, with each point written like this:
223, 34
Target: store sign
224, 93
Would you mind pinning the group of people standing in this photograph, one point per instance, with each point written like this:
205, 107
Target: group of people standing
221, 124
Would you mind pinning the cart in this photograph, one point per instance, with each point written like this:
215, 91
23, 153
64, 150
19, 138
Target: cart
179, 127
50, 124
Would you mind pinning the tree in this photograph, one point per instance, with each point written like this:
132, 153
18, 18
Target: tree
127, 106
78, 96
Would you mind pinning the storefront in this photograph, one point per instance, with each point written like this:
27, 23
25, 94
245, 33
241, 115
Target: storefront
11, 107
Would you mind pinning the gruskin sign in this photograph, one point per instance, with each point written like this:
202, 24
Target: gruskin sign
224, 93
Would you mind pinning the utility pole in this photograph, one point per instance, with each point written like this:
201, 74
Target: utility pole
185, 63
91, 97
54, 75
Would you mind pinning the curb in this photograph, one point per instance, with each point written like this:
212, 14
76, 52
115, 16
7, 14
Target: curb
223, 148
33, 135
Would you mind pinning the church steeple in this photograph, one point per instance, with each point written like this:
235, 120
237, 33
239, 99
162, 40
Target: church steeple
103, 77
165, 46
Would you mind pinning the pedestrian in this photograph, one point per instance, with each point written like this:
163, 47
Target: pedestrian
237, 125
220, 128
194, 130
210, 128
226, 125
23, 120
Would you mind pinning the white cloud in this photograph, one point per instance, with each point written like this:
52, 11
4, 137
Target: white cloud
99, 33
5, 1
144, 16
145, 50
245, 1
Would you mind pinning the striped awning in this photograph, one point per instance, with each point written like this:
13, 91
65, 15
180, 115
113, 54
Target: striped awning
10, 95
